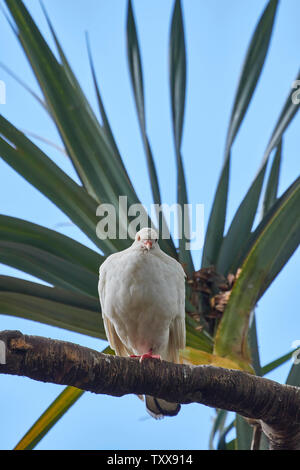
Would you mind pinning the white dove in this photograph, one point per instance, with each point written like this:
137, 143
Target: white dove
142, 297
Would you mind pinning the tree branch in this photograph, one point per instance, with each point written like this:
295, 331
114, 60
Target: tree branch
276, 406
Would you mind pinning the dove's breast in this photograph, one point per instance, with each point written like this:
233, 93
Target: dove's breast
141, 299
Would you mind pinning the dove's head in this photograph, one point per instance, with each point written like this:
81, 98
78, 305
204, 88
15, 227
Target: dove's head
147, 239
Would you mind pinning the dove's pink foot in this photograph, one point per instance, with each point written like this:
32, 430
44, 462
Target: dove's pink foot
147, 355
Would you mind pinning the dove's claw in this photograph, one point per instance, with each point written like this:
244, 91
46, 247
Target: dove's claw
147, 355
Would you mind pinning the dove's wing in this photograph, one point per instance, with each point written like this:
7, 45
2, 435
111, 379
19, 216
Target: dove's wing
111, 334
176, 339
113, 338
177, 326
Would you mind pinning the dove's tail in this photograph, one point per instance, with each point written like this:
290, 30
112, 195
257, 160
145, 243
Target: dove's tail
158, 408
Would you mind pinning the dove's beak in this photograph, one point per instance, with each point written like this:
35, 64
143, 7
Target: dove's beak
148, 244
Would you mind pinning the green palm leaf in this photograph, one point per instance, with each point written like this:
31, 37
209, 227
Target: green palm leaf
276, 363
252, 68
286, 249
222, 445
177, 71
24, 85
293, 377
68, 71
51, 305
273, 242
243, 433
105, 129
49, 418
250, 75
34, 165
136, 75
99, 170
20, 231
240, 227
50, 268
197, 339
218, 426
270, 195
287, 114
253, 344
104, 117
239, 231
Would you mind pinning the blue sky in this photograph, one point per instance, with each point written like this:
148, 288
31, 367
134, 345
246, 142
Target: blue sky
217, 35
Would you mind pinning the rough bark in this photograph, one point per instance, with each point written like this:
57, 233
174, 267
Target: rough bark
275, 406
